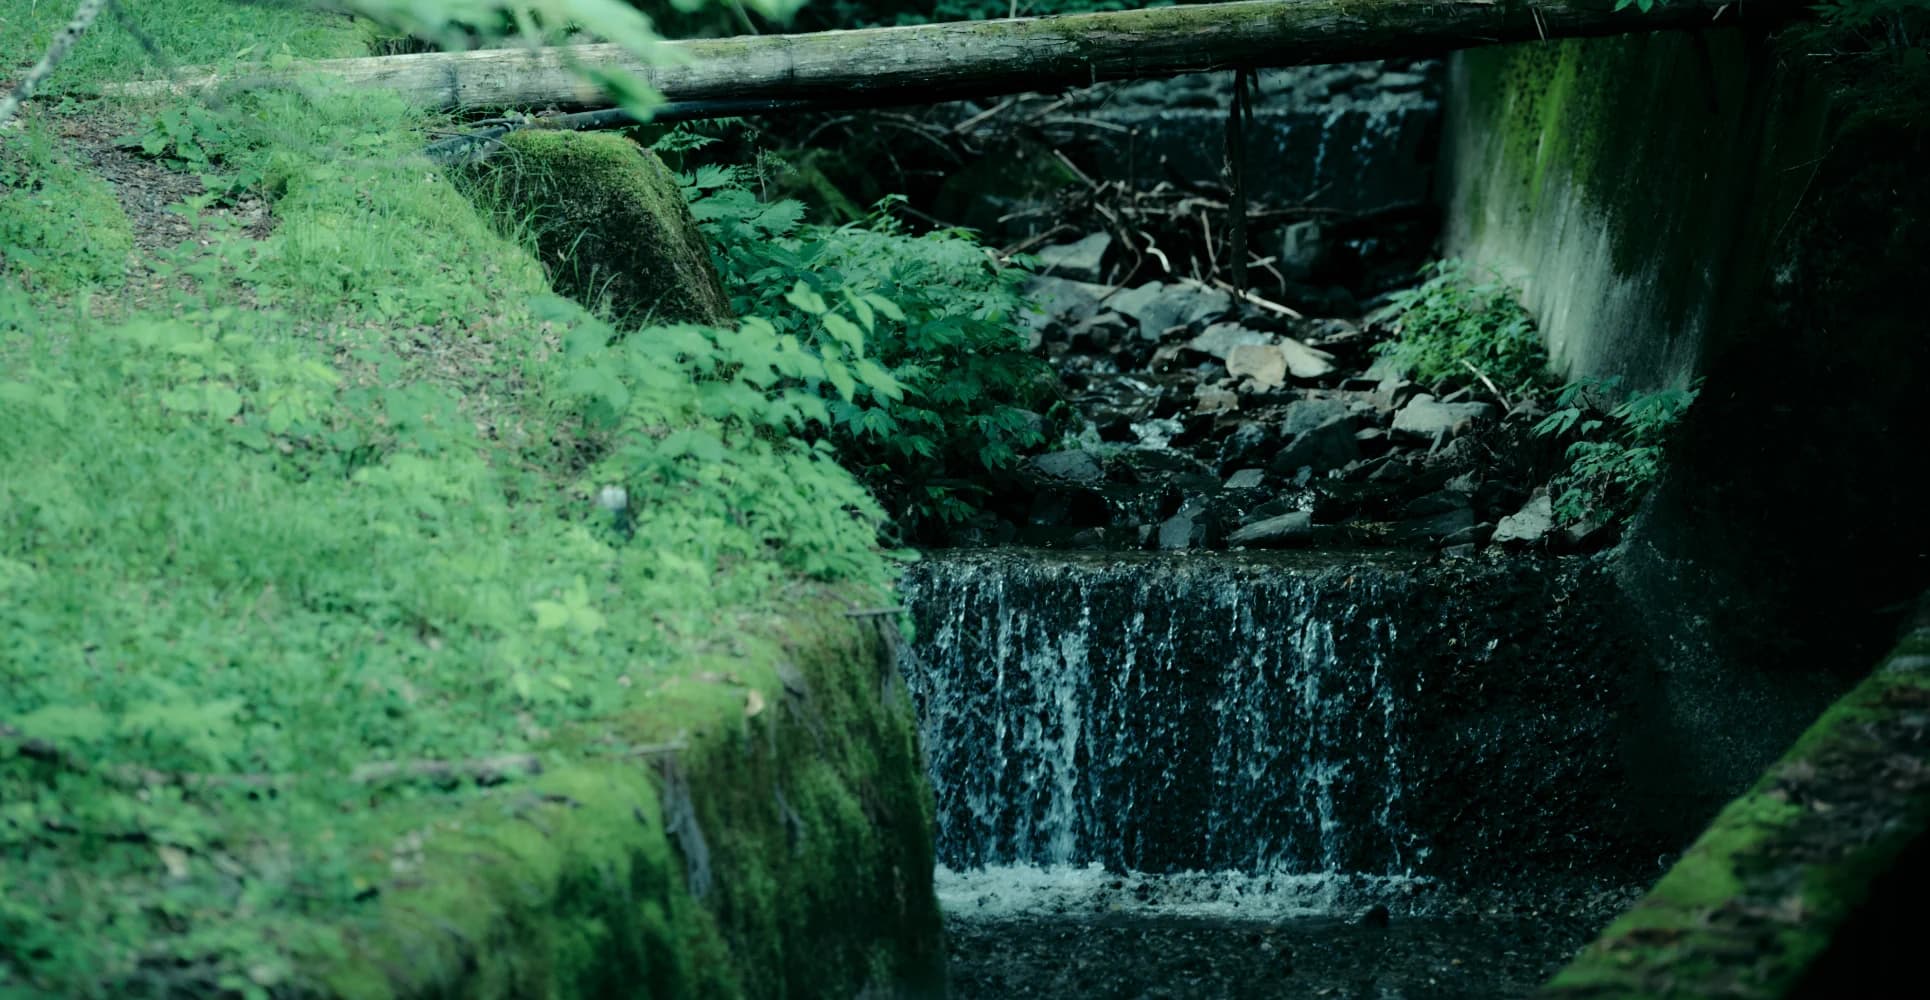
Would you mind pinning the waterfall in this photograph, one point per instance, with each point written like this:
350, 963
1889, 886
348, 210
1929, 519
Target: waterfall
1164, 714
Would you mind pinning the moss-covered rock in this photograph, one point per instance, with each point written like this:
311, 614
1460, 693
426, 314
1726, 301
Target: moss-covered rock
608, 221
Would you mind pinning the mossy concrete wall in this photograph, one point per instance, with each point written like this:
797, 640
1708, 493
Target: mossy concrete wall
784, 848
1624, 184
1734, 207
1706, 205
1811, 883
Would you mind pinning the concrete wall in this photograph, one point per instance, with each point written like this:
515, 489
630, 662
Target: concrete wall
1724, 206
1622, 183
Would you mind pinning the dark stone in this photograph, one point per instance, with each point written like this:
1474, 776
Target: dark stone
1074, 466
1530, 524
1309, 414
1251, 442
1160, 307
1473, 535
1221, 338
1328, 446
1426, 419
1376, 917
1438, 502
1081, 261
1433, 527
1062, 300
1177, 532
1296, 528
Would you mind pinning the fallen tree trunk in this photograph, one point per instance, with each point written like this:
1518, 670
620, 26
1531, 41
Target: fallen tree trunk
932, 62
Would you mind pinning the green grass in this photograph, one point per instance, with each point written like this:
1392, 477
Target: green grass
327, 501
60, 226
182, 33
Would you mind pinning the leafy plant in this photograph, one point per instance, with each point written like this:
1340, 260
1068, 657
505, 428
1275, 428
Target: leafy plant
1452, 329
925, 380
1618, 451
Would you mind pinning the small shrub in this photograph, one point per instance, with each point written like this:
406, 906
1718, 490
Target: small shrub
1452, 329
1619, 449
925, 378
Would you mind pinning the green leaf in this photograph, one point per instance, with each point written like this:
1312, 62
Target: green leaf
880, 381
840, 377
845, 331
550, 615
223, 401
886, 306
805, 299
866, 317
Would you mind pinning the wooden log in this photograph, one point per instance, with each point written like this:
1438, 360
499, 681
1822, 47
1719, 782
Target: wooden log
981, 58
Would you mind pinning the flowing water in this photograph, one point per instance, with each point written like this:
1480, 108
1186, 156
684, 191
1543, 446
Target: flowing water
1183, 769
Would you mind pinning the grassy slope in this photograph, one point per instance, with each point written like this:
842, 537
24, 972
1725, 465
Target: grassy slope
299, 501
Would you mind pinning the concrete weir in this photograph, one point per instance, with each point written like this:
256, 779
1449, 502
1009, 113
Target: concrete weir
1245, 740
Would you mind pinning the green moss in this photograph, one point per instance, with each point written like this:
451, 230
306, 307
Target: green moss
1547, 162
608, 221
265, 545
817, 857
1771, 878
60, 226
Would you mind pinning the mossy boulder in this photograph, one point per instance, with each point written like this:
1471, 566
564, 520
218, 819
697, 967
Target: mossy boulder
609, 222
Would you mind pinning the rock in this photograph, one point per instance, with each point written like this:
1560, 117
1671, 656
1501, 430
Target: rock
1426, 419
1386, 369
1250, 442
1301, 249
1215, 399
1278, 507
1264, 365
1079, 261
613, 210
1307, 414
1529, 524
1372, 441
1073, 466
1089, 538
1218, 339
1303, 361
1246, 479
1434, 527
1287, 529
1586, 533
1328, 446
1096, 333
1437, 502
1062, 301
1159, 307
1462, 551
1176, 532
1471, 536
1376, 917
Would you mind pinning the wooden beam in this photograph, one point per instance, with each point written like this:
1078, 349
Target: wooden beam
981, 58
